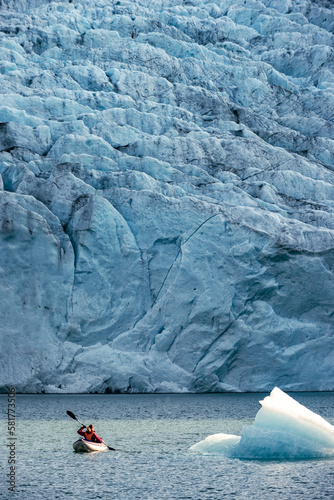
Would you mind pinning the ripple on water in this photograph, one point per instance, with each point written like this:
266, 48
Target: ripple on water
152, 460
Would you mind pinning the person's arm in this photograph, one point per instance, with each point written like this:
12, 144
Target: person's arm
80, 431
97, 439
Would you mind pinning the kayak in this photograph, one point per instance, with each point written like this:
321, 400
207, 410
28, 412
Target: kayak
85, 445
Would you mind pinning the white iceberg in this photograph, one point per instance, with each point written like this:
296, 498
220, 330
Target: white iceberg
283, 429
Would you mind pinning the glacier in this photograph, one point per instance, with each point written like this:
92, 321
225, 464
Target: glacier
166, 195
283, 429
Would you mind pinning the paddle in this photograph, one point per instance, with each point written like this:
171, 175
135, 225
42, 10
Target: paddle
109, 447
70, 414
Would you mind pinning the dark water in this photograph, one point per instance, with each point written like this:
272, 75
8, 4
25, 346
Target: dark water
152, 435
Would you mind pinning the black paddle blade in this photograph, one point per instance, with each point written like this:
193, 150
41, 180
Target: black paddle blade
70, 414
110, 448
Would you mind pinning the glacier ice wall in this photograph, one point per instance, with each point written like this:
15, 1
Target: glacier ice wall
166, 195
283, 429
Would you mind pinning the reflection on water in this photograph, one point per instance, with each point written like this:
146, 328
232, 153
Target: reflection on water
152, 435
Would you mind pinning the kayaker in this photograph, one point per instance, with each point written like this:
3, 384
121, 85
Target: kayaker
90, 434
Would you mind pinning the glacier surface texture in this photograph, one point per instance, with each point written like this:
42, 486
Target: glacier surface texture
166, 195
283, 429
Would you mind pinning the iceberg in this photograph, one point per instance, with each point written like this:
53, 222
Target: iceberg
283, 429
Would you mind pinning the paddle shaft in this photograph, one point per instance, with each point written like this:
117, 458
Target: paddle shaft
83, 425
109, 447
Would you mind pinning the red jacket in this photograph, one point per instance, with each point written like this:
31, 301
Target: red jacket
94, 438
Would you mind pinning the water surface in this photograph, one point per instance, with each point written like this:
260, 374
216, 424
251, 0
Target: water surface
152, 435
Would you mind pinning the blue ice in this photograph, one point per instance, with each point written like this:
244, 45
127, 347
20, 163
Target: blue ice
283, 429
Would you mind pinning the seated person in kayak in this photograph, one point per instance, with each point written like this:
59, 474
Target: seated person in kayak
90, 434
